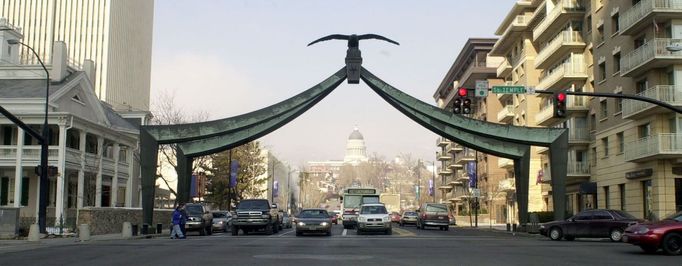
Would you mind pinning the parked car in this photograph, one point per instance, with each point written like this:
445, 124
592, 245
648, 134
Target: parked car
286, 220
222, 221
199, 219
313, 221
408, 217
395, 217
374, 217
597, 223
665, 234
434, 214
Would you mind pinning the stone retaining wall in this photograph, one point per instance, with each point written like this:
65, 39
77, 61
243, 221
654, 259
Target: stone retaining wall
110, 220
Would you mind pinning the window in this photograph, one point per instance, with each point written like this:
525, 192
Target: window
616, 63
602, 215
603, 107
602, 72
678, 194
640, 41
25, 185
640, 86
619, 104
606, 197
4, 191
589, 23
644, 131
600, 35
621, 190
593, 122
621, 142
605, 144
594, 156
614, 24
583, 216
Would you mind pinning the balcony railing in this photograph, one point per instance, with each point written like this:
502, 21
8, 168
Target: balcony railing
443, 156
32, 152
465, 156
574, 69
576, 102
504, 163
670, 94
504, 68
578, 134
544, 114
565, 38
506, 113
507, 184
647, 52
642, 9
441, 142
578, 168
659, 145
562, 7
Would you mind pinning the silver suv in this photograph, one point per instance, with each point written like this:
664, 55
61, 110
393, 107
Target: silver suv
198, 218
374, 217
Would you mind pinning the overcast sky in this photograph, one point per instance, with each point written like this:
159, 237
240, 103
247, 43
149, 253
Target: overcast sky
227, 58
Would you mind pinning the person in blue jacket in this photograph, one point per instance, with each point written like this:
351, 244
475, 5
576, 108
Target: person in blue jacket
177, 219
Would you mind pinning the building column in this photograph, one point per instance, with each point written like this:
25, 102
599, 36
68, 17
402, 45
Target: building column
131, 178
114, 179
98, 183
18, 169
81, 172
61, 177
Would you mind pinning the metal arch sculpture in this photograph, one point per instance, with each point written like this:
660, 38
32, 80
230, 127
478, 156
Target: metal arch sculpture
204, 138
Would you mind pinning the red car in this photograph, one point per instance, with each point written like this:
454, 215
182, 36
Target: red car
665, 234
395, 217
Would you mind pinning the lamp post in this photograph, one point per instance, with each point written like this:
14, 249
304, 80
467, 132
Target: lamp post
42, 198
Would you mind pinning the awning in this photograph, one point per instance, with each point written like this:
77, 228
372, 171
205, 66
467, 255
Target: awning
588, 188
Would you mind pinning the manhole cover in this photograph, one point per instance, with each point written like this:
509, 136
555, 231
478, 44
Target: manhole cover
312, 257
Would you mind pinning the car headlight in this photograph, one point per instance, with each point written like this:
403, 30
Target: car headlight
324, 224
301, 224
641, 230
220, 222
542, 226
386, 219
361, 219
265, 216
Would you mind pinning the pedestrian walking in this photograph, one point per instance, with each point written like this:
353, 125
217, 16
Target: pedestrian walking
183, 221
176, 219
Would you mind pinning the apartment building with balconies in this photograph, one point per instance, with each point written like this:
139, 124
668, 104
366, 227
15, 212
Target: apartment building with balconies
516, 45
472, 64
637, 146
564, 61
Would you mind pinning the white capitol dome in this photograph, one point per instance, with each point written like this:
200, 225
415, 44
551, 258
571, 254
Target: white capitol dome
356, 151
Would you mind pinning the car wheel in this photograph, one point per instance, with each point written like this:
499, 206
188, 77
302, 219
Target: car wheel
616, 235
555, 233
672, 244
569, 238
269, 229
389, 231
649, 249
447, 228
235, 230
298, 233
202, 231
360, 232
329, 233
275, 229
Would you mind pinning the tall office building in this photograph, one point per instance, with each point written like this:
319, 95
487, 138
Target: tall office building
115, 34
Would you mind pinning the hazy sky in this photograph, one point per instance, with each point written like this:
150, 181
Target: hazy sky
231, 57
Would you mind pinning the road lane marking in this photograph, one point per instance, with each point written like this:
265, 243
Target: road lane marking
403, 232
280, 235
345, 231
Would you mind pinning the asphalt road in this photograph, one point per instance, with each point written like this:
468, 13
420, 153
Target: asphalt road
407, 246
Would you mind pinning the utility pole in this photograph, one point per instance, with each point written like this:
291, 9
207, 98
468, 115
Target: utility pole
433, 182
229, 181
476, 187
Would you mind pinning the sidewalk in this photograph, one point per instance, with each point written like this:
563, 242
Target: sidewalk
497, 228
51, 240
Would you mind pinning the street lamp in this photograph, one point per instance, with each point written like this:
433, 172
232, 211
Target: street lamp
42, 202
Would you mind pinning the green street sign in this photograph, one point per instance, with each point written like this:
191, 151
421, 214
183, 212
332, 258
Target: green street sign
509, 89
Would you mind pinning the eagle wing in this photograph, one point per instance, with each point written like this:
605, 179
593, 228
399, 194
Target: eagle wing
375, 36
330, 37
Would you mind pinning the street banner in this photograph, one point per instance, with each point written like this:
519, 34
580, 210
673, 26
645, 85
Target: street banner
193, 187
275, 189
431, 187
234, 169
471, 171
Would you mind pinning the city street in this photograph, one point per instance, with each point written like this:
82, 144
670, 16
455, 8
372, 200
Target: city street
407, 246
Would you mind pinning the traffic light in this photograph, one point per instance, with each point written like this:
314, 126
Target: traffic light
457, 106
466, 106
560, 104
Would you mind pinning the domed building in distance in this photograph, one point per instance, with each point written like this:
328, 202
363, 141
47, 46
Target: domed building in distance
356, 151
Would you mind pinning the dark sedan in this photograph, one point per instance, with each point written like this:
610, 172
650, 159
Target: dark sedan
313, 221
590, 223
665, 234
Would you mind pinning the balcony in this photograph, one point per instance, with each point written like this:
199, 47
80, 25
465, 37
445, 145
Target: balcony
505, 163
455, 166
566, 42
545, 117
651, 55
465, 156
445, 172
507, 185
503, 96
506, 114
654, 147
634, 109
30, 155
644, 13
443, 156
454, 148
513, 31
504, 69
442, 142
578, 168
577, 104
563, 12
562, 76
579, 135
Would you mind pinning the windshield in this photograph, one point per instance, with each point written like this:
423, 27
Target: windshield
676, 217
254, 204
436, 208
313, 214
194, 209
373, 210
370, 199
410, 214
219, 215
352, 201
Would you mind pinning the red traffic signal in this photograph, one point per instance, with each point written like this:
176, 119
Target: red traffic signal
462, 92
560, 104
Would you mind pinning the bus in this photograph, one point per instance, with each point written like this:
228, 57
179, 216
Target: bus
352, 199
